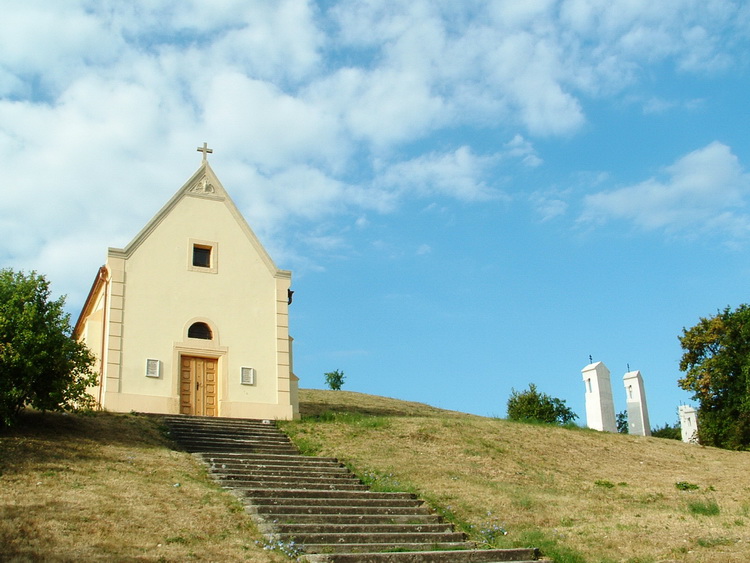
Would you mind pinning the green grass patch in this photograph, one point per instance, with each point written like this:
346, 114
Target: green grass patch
713, 542
351, 418
381, 482
704, 508
549, 547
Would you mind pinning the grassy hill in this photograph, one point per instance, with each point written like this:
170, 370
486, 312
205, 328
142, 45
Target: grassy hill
579, 494
109, 487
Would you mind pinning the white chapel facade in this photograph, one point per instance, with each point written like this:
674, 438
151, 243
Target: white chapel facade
192, 316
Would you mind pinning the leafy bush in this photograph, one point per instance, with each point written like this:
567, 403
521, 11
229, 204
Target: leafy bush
671, 432
685, 486
40, 364
335, 379
533, 406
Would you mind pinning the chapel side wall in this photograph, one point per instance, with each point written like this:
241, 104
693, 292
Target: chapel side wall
92, 336
113, 332
239, 301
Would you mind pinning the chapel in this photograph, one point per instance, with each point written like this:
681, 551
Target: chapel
192, 316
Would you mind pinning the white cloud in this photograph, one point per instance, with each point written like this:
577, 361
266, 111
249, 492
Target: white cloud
261, 124
383, 107
549, 205
50, 43
317, 110
459, 174
656, 105
278, 39
704, 191
520, 148
528, 70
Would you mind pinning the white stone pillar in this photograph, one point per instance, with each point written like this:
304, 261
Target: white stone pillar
689, 423
600, 407
638, 422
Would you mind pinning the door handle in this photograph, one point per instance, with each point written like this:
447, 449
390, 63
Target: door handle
197, 385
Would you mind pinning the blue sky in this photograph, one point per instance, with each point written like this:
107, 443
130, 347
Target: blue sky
472, 196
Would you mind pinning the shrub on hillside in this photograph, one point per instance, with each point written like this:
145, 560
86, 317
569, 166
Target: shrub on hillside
41, 366
673, 432
533, 406
335, 379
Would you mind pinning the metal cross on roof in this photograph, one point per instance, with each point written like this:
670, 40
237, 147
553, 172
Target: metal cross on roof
205, 150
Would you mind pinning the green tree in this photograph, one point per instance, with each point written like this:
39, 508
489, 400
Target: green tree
40, 364
622, 422
716, 362
673, 432
335, 379
533, 406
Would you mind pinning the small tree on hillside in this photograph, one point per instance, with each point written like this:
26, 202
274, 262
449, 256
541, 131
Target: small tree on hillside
40, 364
335, 379
622, 422
533, 406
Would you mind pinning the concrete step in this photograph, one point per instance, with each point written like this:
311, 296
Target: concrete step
313, 471
361, 504
291, 466
188, 429
216, 420
283, 511
378, 528
208, 448
318, 504
229, 443
246, 446
229, 457
229, 438
431, 538
455, 556
318, 485
398, 499
283, 474
239, 427
358, 518
369, 547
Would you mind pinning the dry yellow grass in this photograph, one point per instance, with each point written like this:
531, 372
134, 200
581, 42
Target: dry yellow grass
108, 487
103, 487
584, 495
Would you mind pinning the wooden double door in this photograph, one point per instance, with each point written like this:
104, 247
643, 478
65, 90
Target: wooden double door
198, 385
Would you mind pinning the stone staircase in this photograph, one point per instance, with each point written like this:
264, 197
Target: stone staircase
315, 506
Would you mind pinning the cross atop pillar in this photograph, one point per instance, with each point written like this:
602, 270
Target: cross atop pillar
205, 150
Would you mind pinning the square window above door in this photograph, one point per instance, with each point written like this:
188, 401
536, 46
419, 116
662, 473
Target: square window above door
203, 256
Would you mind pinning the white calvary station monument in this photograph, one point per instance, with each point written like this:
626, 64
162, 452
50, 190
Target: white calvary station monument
638, 422
600, 406
192, 316
688, 423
